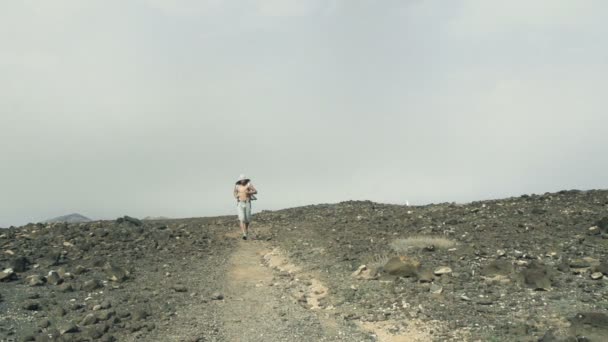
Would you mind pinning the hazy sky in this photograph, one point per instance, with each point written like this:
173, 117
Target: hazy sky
154, 107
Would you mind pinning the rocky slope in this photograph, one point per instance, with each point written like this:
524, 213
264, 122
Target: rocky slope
518, 269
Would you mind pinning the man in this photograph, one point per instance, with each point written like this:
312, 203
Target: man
244, 191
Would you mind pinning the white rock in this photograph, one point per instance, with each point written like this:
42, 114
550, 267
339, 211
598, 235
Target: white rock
442, 270
597, 275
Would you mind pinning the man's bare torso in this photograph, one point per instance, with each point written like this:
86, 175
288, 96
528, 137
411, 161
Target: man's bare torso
243, 192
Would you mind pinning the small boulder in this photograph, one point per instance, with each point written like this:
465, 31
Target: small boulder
402, 266
116, 273
603, 224
180, 288
602, 267
54, 278
19, 264
35, 280
44, 323
91, 285
217, 296
7, 275
425, 276
130, 220
80, 269
597, 275
31, 306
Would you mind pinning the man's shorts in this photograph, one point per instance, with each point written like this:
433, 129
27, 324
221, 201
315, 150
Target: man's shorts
243, 209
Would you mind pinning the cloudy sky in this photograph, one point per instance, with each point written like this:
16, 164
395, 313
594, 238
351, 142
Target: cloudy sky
154, 107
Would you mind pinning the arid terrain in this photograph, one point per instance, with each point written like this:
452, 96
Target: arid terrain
528, 268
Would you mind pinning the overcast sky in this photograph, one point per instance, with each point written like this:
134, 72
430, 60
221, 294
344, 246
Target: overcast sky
154, 107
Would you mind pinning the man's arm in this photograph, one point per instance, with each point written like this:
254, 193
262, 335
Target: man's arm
235, 193
252, 190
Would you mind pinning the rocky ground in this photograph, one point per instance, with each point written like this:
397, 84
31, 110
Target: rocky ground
519, 269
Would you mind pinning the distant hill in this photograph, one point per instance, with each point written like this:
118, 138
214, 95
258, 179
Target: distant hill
71, 218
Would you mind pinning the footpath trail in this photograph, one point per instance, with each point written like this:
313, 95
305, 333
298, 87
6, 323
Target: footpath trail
263, 298
264, 302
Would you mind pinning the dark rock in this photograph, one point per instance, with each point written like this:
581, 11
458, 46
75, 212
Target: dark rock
32, 306
51, 259
44, 323
593, 319
180, 288
54, 278
116, 273
603, 268
603, 224
68, 328
425, 276
129, 219
91, 285
217, 296
80, 270
19, 264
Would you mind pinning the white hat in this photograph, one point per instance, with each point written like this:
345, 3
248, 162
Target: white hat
242, 177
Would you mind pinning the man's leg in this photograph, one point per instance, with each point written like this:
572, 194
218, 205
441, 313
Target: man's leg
247, 216
243, 228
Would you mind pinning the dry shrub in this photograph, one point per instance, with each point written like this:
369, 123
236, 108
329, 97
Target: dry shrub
421, 241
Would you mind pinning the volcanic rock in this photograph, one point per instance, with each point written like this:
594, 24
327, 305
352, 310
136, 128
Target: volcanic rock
89, 320
67, 328
402, 266
7, 274
130, 220
19, 264
425, 276
54, 278
35, 280
32, 306
91, 285
116, 273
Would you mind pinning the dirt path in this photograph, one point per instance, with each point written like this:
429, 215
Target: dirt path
265, 297
266, 301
